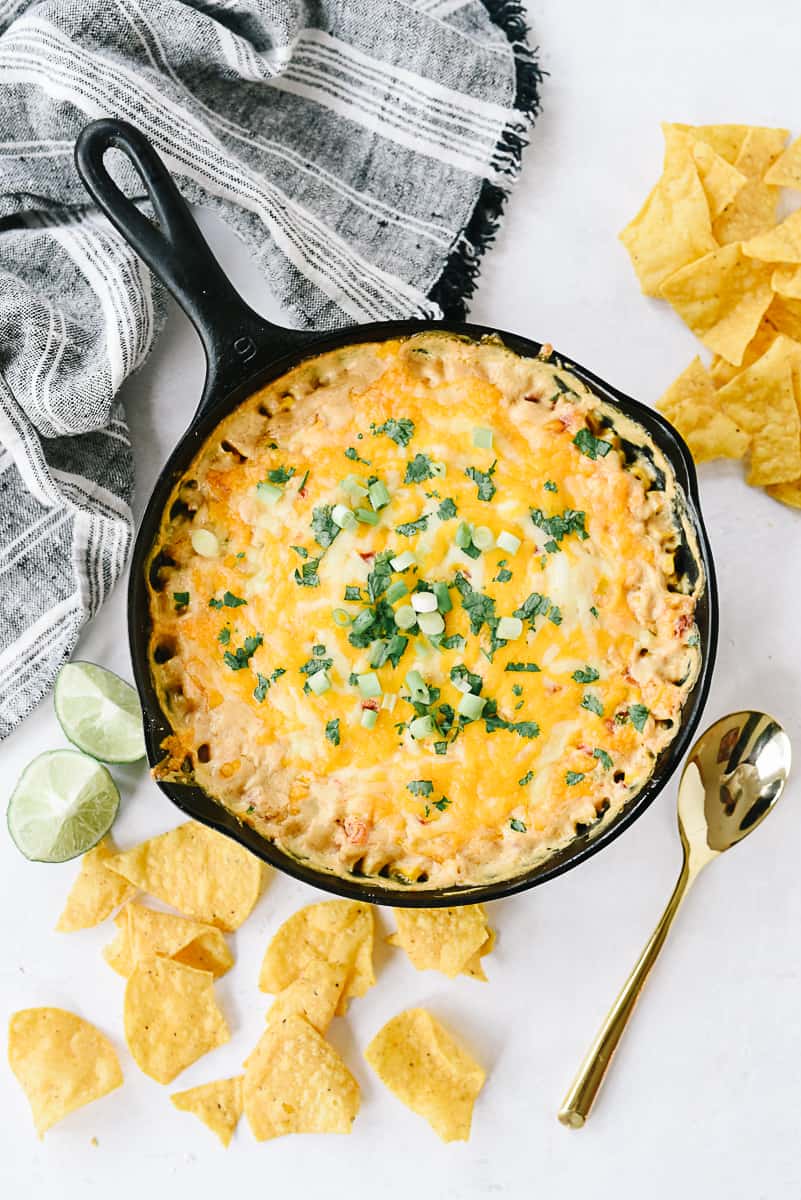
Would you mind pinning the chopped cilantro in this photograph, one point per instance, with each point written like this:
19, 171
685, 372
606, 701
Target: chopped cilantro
517, 825
573, 777
638, 715
533, 606
262, 687
503, 576
521, 666
312, 666
401, 431
558, 527
483, 481
445, 718
353, 455
586, 675
181, 599
460, 672
323, 526
447, 509
301, 551
232, 601
593, 610
332, 731
517, 689
396, 647
454, 641
420, 787
592, 704
440, 747
526, 729
353, 593
224, 636
590, 445
550, 486
442, 803
555, 615
214, 603
418, 469
319, 650
353, 679
479, 608
378, 579
306, 576
551, 546
527, 778
280, 474
251, 808
243, 654
382, 625
410, 528
604, 759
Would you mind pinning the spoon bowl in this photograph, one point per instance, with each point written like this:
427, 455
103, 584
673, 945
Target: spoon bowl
734, 775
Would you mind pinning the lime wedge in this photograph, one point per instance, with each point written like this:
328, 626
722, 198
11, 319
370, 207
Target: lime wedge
63, 804
99, 713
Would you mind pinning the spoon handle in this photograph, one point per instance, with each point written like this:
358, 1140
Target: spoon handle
579, 1099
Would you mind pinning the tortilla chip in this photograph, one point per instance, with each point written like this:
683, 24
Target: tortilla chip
218, 1105
315, 994
785, 315
720, 180
335, 931
722, 298
295, 1082
61, 1062
787, 493
673, 226
782, 244
428, 1071
144, 932
722, 372
96, 891
761, 147
200, 872
171, 1017
761, 400
787, 282
691, 404
753, 209
786, 171
725, 140
441, 939
473, 967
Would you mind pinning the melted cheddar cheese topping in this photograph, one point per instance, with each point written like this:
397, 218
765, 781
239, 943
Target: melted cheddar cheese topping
299, 694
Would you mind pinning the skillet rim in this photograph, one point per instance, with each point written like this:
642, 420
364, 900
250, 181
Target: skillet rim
195, 803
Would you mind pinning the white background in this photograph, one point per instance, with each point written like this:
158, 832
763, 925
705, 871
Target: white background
704, 1098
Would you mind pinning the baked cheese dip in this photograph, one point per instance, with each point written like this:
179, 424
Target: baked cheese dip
417, 611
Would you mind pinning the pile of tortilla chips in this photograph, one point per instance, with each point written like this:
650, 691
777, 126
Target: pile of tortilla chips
294, 1080
708, 240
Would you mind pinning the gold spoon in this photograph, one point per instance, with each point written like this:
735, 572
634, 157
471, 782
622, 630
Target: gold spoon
734, 775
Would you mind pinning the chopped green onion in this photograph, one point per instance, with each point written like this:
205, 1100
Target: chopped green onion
431, 623
379, 494
368, 685
417, 686
366, 516
341, 617
378, 652
443, 597
403, 561
369, 718
389, 701
319, 682
342, 517
482, 438
269, 492
396, 590
508, 542
437, 469
463, 536
461, 683
483, 537
353, 487
365, 619
422, 727
471, 706
405, 616
424, 602
509, 628
205, 543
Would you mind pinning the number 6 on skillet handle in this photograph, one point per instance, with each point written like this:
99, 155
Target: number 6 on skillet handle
236, 340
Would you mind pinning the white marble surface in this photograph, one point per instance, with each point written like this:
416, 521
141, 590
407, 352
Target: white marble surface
704, 1097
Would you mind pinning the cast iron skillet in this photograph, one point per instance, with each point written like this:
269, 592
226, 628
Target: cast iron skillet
244, 352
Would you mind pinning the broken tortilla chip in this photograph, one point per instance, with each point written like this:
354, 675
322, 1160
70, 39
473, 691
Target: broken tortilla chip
721, 371
441, 939
786, 281
473, 967
316, 995
722, 297
295, 1082
720, 180
690, 403
61, 1062
144, 932
171, 1017
418, 1060
782, 244
761, 401
198, 871
334, 931
786, 171
96, 892
218, 1105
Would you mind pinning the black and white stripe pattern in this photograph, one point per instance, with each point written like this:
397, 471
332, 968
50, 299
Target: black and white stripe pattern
361, 148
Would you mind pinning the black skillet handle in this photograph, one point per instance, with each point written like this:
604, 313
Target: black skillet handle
237, 341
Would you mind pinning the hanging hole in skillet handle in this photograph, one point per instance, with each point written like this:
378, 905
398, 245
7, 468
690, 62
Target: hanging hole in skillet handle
237, 341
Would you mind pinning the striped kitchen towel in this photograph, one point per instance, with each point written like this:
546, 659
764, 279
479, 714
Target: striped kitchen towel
362, 149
